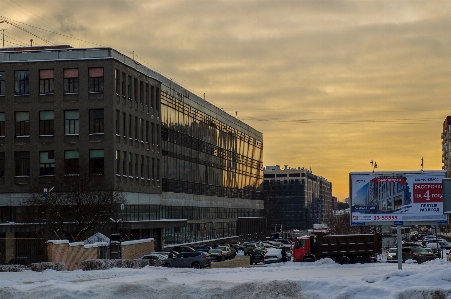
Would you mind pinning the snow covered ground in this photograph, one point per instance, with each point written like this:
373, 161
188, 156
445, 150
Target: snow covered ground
322, 279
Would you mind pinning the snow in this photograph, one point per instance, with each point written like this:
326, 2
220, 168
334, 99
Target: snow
318, 280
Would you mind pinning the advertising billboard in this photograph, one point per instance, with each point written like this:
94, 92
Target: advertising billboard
396, 198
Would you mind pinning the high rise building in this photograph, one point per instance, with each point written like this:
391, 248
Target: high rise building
295, 198
190, 172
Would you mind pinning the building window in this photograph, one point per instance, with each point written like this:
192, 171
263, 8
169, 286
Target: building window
147, 131
71, 122
71, 81
136, 166
46, 82
21, 83
129, 126
96, 121
124, 163
2, 83
2, 164
118, 162
130, 164
118, 115
124, 124
71, 162
96, 164
142, 167
96, 79
22, 123
2, 124
123, 84
46, 122
147, 168
136, 128
22, 163
129, 87
117, 81
46, 163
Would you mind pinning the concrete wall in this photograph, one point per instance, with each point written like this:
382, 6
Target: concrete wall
71, 254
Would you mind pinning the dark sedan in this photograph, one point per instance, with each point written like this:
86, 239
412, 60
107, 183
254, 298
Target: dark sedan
257, 256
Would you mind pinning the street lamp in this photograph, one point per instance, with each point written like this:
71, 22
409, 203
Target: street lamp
374, 164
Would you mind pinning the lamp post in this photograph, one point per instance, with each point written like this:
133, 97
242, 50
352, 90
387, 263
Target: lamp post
3, 33
374, 164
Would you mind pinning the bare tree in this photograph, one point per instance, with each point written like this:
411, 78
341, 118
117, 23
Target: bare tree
341, 225
76, 206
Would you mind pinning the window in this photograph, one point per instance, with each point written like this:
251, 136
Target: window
96, 121
96, 79
142, 166
71, 81
71, 162
46, 82
136, 128
46, 122
2, 124
130, 164
22, 123
147, 131
147, 168
21, 83
153, 168
118, 115
123, 84
118, 162
117, 81
2, 83
2, 165
136, 166
96, 164
129, 126
124, 163
22, 163
71, 122
46, 163
124, 124
129, 87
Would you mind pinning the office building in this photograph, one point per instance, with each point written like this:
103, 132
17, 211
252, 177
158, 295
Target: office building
295, 198
189, 171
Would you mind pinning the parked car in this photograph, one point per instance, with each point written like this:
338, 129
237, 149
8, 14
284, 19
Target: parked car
227, 251
154, 259
181, 249
249, 248
417, 253
392, 256
217, 255
204, 248
441, 245
195, 259
273, 256
257, 256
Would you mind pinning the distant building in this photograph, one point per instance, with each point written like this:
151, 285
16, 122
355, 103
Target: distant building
295, 198
334, 203
446, 146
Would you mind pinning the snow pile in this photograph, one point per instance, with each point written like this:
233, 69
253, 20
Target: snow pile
323, 279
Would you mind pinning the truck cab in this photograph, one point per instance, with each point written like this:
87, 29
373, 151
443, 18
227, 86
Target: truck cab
302, 249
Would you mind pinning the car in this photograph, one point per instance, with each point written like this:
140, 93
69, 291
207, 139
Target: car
227, 251
194, 259
257, 256
154, 258
217, 255
441, 245
181, 249
417, 253
273, 256
249, 248
204, 248
392, 256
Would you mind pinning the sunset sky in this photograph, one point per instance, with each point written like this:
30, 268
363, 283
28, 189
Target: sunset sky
331, 85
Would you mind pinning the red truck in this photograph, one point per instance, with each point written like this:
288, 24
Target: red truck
343, 249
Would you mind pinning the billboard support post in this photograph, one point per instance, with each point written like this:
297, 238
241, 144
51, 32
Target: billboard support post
399, 243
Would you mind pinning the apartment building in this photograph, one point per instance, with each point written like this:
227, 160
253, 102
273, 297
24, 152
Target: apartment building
189, 171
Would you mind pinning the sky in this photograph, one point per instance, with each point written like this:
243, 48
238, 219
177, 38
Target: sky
323, 279
331, 84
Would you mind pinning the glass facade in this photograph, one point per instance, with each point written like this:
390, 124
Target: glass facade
204, 155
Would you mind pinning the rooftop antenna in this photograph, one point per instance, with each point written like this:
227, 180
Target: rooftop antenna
422, 163
3, 32
31, 42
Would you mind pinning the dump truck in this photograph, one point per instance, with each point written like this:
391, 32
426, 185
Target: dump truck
343, 249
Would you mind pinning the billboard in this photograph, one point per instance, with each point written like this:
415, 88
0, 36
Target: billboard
396, 198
